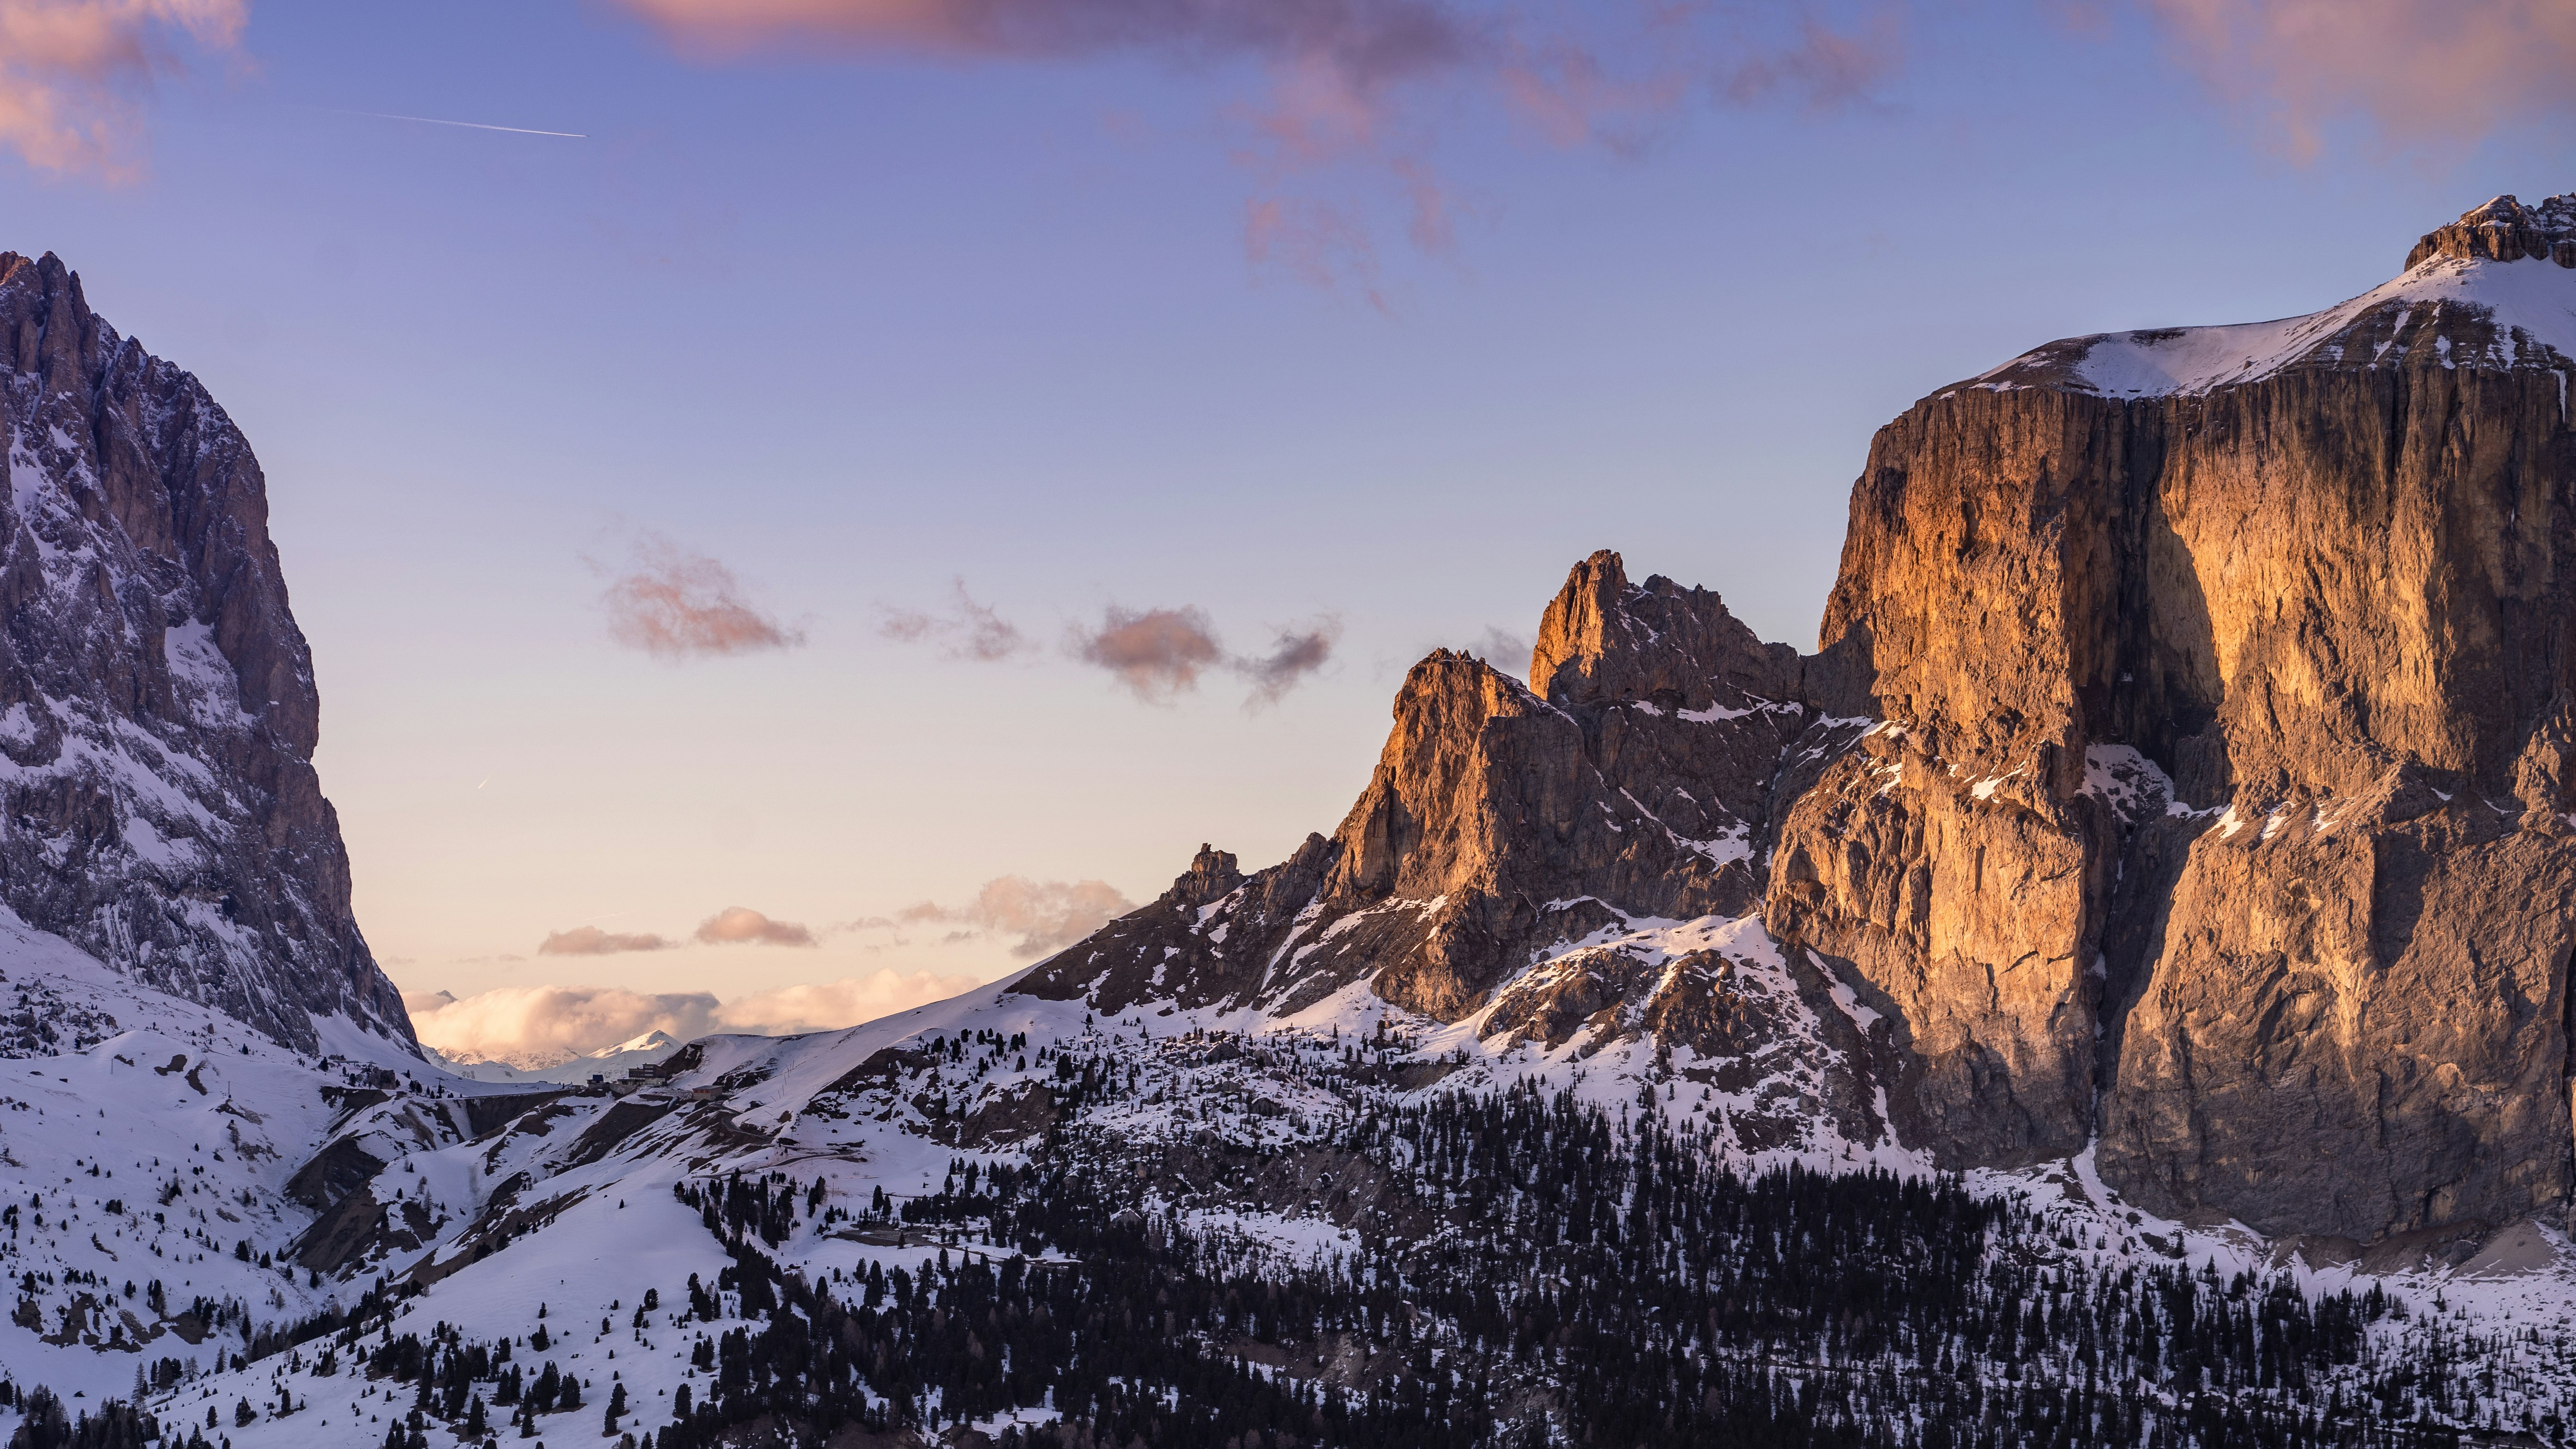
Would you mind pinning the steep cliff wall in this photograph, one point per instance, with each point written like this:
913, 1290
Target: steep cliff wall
158, 804
2188, 772
2221, 800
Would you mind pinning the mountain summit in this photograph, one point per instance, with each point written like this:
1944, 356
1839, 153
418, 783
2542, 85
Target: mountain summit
158, 805
2187, 771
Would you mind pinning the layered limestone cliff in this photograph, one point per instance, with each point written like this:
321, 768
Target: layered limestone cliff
2187, 772
2220, 804
158, 804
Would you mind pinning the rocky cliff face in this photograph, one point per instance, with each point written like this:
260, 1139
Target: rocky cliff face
1514, 852
158, 804
2188, 771
2212, 712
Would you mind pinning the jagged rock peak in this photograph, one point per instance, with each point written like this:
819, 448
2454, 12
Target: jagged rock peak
1603, 638
159, 808
1212, 874
2505, 230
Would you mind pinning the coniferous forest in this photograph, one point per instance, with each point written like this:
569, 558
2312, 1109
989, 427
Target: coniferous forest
1564, 1278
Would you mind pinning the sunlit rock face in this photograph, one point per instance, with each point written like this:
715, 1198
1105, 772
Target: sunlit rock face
2221, 805
2186, 771
157, 710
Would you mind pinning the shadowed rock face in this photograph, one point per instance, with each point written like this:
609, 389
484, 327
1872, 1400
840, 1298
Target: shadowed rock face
2188, 770
157, 710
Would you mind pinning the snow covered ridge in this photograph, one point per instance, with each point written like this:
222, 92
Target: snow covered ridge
1488, 1223
2499, 295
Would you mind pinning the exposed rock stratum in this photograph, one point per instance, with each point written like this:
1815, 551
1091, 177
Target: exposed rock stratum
2187, 771
158, 803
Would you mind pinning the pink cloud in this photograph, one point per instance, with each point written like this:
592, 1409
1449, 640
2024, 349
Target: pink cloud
1045, 915
2441, 71
674, 605
968, 631
1314, 242
1824, 68
1369, 40
742, 926
1351, 85
592, 941
1157, 654
69, 68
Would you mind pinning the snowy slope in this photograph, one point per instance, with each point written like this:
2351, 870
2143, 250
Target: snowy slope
561, 1213
2464, 311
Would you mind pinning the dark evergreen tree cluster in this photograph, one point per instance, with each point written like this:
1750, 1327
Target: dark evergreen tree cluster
43, 1423
1588, 1281
1523, 1270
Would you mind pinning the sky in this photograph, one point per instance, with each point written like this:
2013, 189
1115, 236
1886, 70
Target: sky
801, 506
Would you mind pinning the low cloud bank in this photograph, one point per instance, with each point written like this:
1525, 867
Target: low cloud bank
534, 1027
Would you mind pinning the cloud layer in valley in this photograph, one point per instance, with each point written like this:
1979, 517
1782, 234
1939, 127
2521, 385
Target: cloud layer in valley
69, 70
674, 604
534, 1027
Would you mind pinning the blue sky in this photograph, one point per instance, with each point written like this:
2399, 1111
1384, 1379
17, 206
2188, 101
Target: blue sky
857, 316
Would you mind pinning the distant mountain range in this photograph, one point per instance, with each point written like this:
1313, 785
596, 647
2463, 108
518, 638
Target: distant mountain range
2114, 991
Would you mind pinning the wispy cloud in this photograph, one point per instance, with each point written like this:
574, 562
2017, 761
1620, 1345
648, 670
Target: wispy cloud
70, 69
675, 604
1297, 653
743, 926
968, 630
1350, 94
592, 941
1503, 649
1044, 915
1369, 41
533, 1027
2447, 72
1314, 242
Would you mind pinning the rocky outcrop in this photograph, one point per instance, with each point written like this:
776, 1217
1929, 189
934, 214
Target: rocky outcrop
2187, 770
158, 803
2505, 230
1500, 825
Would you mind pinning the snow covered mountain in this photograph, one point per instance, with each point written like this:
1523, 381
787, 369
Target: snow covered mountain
158, 805
2115, 991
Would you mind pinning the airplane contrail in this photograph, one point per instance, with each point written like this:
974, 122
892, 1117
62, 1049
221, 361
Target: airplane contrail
471, 125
